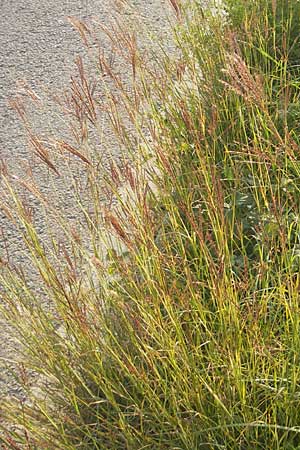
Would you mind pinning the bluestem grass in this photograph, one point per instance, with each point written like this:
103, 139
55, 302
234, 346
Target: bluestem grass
175, 317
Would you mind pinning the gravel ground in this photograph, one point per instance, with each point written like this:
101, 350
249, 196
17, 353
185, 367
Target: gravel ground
37, 43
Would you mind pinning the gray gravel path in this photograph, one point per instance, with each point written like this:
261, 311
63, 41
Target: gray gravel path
38, 44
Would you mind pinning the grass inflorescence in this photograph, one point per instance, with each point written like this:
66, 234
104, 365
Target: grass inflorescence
175, 313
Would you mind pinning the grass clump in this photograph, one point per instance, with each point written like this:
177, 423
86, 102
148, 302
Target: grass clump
186, 335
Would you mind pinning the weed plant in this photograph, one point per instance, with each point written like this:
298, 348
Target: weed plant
177, 327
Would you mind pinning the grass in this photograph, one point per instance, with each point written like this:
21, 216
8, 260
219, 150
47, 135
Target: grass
175, 318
